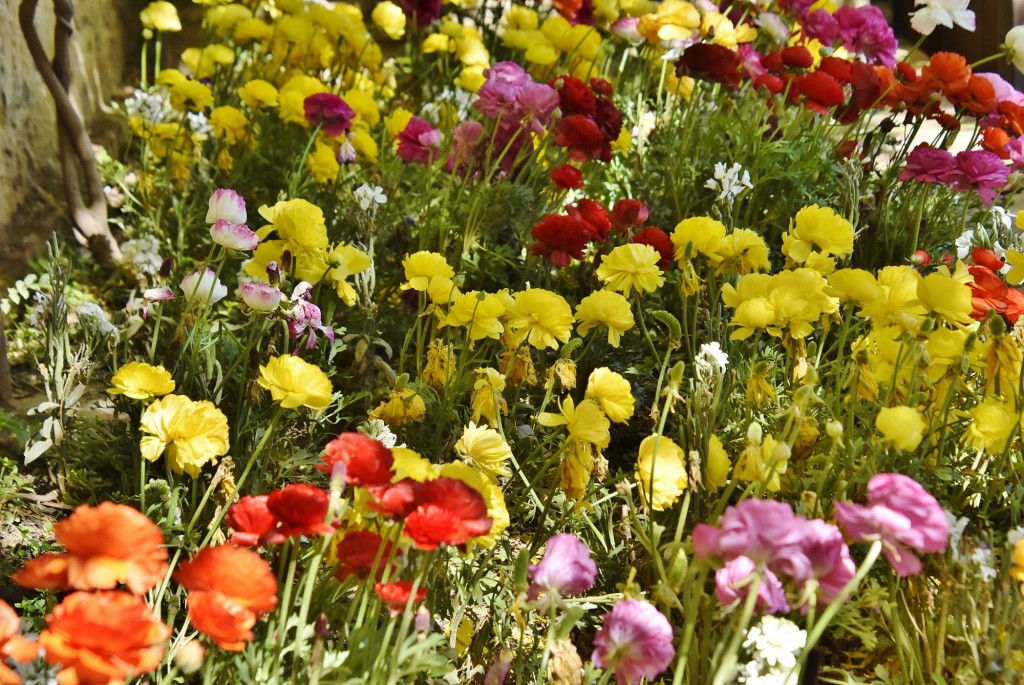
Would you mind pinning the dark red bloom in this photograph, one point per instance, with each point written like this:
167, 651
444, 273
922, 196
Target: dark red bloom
250, 519
820, 90
448, 512
711, 62
359, 551
397, 595
594, 217
772, 61
840, 69
397, 500
659, 240
629, 213
560, 238
300, 510
986, 257
797, 57
367, 461
770, 82
566, 176
425, 12
330, 112
575, 97
582, 139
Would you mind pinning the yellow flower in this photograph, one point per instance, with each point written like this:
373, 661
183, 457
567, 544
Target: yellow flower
192, 433
396, 123
252, 29
742, 252
761, 457
660, 472
541, 317
409, 464
631, 266
760, 390
819, 227
486, 449
390, 19
491, 493
608, 309
323, 164
228, 122
160, 16
346, 261
478, 312
298, 222
141, 381
585, 422
993, 423
698, 235
364, 106
945, 296
191, 95
402, 406
422, 267
440, 363
613, 394
717, 467
902, 427
294, 382
1015, 276
856, 285
575, 469
224, 18
258, 94
487, 401
292, 97
1017, 572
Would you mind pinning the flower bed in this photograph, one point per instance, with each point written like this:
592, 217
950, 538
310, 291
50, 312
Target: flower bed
474, 342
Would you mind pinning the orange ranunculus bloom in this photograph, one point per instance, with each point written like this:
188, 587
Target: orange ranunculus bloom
103, 638
12, 645
948, 72
228, 587
106, 545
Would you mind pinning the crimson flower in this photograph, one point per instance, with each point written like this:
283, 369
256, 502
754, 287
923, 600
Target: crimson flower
398, 594
367, 461
251, 520
448, 512
330, 112
659, 240
300, 510
566, 176
358, 551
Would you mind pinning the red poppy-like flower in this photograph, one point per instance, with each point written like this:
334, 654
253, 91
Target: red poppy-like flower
300, 509
913, 91
575, 97
419, 142
100, 638
560, 238
659, 240
566, 176
106, 545
797, 57
594, 217
398, 594
629, 213
367, 461
711, 62
995, 140
947, 72
1012, 117
359, 550
582, 138
979, 98
987, 258
448, 512
397, 500
330, 112
770, 82
251, 520
820, 90
228, 588
12, 645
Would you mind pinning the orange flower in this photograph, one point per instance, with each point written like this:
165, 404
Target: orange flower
106, 545
103, 638
12, 645
948, 72
228, 587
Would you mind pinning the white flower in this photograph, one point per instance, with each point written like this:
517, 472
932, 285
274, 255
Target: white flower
982, 556
711, 359
1015, 44
260, 296
1015, 536
369, 197
346, 153
226, 205
203, 287
91, 315
956, 532
730, 182
142, 254
199, 123
964, 244
234, 236
773, 645
941, 12
379, 431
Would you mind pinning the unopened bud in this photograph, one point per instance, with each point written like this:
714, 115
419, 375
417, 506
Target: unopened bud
190, 657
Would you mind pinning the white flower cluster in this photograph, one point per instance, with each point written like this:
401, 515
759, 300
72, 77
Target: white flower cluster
774, 645
152, 107
378, 430
142, 255
369, 198
711, 363
729, 182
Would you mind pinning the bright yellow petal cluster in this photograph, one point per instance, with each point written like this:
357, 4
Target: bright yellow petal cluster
422, 267
629, 267
140, 381
612, 393
402, 406
993, 423
258, 94
485, 449
488, 402
902, 427
193, 434
660, 472
389, 18
478, 313
160, 16
345, 261
606, 309
541, 317
817, 227
698, 235
294, 382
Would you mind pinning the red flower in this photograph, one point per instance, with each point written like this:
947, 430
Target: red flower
659, 240
566, 176
330, 112
251, 520
711, 62
983, 256
629, 213
995, 140
367, 461
300, 510
448, 512
594, 217
560, 238
397, 500
582, 138
358, 551
770, 82
797, 57
948, 72
821, 91
574, 97
397, 595
980, 96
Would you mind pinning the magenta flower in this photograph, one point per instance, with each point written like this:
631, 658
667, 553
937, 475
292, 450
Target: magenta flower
566, 569
329, 112
828, 560
734, 581
467, 137
234, 236
930, 165
983, 172
226, 205
418, 142
511, 97
305, 318
900, 513
763, 530
865, 30
1015, 148
635, 641
822, 26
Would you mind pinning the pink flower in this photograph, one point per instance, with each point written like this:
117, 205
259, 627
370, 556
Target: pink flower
929, 165
734, 580
763, 530
567, 568
900, 513
203, 287
305, 317
628, 28
330, 112
865, 30
821, 25
260, 297
234, 236
1004, 90
828, 560
983, 172
226, 205
418, 142
635, 641
466, 139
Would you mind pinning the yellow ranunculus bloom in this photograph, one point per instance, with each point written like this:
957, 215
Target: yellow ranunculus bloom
160, 16
390, 19
717, 464
486, 449
258, 94
660, 472
346, 261
479, 313
612, 393
488, 402
409, 464
541, 317
192, 433
190, 95
946, 297
298, 222
323, 164
421, 267
742, 252
585, 421
698, 235
294, 382
629, 267
440, 363
608, 309
229, 123
401, 407
140, 381
902, 427
993, 423
820, 227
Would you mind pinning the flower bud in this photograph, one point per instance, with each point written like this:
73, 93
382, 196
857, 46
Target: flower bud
260, 296
190, 657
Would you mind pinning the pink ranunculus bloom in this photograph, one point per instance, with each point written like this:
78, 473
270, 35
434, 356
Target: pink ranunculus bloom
828, 560
1015, 148
260, 297
635, 641
866, 30
328, 111
226, 205
930, 165
900, 513
627, 28
419, 142
203, 287
763, 530
305, 318
822, 26
159, 294
234, 236
1004, 90
734, 581
983, 172
567, 568
497, 96
466, 140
